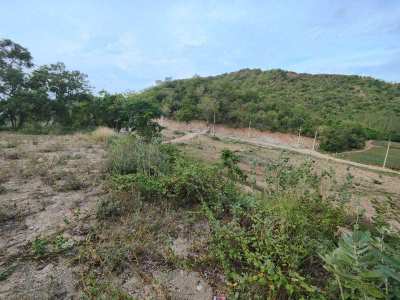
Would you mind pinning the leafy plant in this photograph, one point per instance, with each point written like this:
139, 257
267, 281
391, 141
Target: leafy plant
268, 243
60, 243
39, 247
128, 155
108, 207
365, 266
230, 161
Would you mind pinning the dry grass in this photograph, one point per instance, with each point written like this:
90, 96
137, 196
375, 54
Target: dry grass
102, 134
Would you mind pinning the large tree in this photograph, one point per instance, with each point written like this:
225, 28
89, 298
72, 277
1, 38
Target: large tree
65, 89
14, 62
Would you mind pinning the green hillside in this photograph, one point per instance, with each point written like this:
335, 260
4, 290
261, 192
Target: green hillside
341, 107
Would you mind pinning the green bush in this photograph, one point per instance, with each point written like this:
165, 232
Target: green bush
268, 245
108, 208
188, 183
365, 266
341, 137
129, 155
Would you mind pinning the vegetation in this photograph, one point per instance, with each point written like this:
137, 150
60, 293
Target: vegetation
278, 239
334, 105
51, 98
376, 155
345, 110
276, 244
365, 266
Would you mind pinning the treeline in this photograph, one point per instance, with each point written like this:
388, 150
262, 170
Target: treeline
51, 98
345, 110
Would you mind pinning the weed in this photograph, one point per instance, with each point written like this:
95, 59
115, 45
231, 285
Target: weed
10, 144
60, 243
108, 208
55, 147
13, 156
102, 134
3, 189
39, 247
71, 183
178, 132
365, 266
132, 155
6, 272
96, 289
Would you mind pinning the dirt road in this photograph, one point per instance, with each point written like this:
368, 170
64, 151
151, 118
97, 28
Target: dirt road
262, 139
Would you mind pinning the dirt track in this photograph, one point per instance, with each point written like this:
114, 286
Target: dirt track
262, 139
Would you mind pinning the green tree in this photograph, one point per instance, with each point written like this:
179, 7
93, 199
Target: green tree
208, 107
63, 88
14, 61
139, 116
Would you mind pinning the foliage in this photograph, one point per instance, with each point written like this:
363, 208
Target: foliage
286, 101
230, 161
133, 155
376, 155
268, 244
365, 266
348, 135
140, 115
51, 98
108, 208
39, 247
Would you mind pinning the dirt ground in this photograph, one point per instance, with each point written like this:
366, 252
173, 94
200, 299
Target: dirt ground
371, 190
52, 246
50, 185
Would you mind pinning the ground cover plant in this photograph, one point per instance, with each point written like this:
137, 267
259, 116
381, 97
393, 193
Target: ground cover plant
376, 155
277, 243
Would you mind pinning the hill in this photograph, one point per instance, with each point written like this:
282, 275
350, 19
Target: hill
347, 109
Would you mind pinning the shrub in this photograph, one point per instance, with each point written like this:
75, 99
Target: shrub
230, 161
365, 266
39, 247
188, 183
268, 244
102, 134
341, 137
129, 155
108, 208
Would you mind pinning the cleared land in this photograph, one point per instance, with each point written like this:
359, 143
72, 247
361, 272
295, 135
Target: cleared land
53, 245
375, 155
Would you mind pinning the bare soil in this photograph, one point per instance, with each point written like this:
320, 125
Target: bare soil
50, 187
49, 190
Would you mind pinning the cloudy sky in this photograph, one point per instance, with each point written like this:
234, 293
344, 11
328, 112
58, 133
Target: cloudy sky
127, 45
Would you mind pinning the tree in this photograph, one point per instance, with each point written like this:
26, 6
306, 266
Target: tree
109, 110
64, 88
342, 136
14, 61
140, 115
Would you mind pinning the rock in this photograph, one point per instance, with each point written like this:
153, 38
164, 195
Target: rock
181, 247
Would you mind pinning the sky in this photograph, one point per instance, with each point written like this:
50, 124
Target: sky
128, 45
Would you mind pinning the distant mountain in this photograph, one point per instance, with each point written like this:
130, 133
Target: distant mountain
285, 101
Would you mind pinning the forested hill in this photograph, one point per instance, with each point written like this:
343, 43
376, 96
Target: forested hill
286, 101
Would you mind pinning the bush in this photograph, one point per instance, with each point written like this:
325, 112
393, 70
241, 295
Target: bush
108, 208
188, 183
268, 245
129, 155
365, 266
345, 136
102, 134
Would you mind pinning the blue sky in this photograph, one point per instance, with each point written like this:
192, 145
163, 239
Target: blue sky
127, 45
